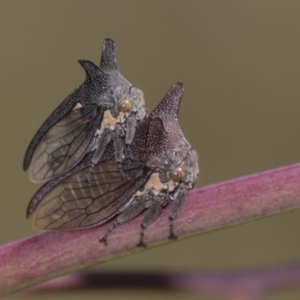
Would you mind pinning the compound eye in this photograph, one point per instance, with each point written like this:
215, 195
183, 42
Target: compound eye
124, 105
177, 174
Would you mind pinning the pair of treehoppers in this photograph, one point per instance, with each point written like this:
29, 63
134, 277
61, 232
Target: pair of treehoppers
102, 157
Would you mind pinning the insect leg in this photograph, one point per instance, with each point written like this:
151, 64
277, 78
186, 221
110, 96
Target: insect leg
103, 142
151, 215
118, 145
131, 127
176, 206
130, 212
108, 232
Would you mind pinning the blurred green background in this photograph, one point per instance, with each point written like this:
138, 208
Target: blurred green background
239, 61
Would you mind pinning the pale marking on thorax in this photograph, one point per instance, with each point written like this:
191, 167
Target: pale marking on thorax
109, 121
156, 186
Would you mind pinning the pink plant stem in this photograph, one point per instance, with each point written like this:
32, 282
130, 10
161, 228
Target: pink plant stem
51, 254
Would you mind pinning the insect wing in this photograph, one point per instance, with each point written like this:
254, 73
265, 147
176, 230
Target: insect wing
75, 203
105, 100
65, 144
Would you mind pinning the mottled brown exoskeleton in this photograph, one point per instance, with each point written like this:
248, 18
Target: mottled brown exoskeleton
105, 107
164, 168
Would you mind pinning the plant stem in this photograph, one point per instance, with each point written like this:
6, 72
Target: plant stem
48, 255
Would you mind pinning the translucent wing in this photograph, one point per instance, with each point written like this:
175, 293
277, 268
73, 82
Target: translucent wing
75, 204
65, 144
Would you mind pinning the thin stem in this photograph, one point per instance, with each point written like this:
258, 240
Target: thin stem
48, 255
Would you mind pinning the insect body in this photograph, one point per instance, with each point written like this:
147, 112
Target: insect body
163, 170
105, 108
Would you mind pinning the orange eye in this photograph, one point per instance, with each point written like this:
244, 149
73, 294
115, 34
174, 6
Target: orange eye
124, 105
177, 174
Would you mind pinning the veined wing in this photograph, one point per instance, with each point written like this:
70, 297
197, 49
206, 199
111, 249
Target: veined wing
75, 204
65, 143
